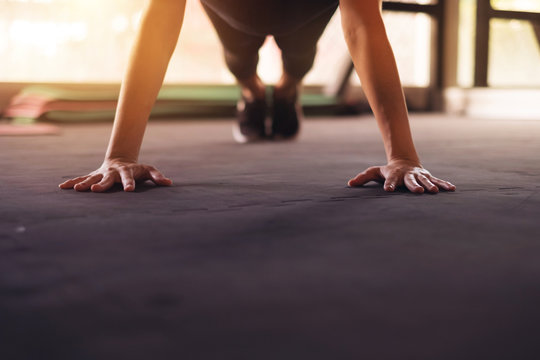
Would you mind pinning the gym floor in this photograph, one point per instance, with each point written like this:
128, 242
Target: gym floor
262, 252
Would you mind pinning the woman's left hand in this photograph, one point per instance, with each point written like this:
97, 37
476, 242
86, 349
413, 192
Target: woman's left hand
399, 173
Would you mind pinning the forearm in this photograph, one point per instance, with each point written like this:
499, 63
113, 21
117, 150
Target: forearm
375, 64
152, 50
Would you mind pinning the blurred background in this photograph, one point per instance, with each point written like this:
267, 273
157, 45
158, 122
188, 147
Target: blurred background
87, 43
263, 252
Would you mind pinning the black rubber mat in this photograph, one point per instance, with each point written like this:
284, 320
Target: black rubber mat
262, 252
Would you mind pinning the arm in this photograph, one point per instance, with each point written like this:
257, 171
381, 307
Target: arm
156, 39
375, 64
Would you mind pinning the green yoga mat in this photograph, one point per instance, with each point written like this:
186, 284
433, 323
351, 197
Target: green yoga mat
184, 100
169, 93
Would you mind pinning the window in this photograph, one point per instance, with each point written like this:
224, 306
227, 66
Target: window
89, 41
514, 50
516, 5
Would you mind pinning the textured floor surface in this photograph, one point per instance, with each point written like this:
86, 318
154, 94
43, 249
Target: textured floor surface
262, 252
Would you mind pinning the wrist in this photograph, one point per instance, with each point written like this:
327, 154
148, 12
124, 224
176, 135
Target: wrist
123, 156
115, 159
410, 160
402, 154
401, 149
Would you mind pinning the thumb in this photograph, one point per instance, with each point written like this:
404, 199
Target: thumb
371, 174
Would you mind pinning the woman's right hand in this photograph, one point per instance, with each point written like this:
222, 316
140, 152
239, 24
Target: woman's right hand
116, 171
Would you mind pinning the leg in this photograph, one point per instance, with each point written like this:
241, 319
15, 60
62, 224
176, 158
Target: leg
298, 50
241, 53
252, 88
287, 87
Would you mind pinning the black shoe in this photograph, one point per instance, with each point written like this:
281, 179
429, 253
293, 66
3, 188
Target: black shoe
286, 116
251, 117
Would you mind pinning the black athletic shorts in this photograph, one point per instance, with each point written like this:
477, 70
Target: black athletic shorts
296, 25
269, 17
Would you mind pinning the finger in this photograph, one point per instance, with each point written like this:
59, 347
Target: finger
85, 185
427, 184
126, 175
443, 184
68, 184
391, 183
371, 174
412, 184
105, 184
157, 177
